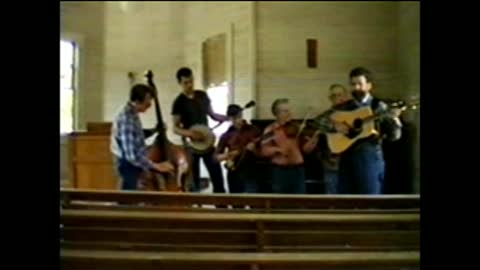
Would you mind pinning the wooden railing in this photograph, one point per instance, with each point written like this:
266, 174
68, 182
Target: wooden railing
157, 200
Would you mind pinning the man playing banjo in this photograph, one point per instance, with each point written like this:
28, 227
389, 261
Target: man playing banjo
191, 108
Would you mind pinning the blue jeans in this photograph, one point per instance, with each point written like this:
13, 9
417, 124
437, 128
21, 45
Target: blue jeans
129, 174
330, 178
362, 170
242, 180
288, 179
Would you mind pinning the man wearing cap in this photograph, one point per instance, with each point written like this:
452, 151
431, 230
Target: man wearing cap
237, 147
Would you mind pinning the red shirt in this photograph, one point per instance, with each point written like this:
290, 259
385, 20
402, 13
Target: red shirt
291, 151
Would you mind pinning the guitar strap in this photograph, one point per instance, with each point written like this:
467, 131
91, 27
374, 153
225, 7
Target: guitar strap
375, 103
198, 107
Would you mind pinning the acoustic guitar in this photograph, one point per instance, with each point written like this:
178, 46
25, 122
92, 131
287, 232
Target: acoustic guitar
362, 124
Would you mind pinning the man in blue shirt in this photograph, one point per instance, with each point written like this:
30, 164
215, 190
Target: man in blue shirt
128, 139
362, 167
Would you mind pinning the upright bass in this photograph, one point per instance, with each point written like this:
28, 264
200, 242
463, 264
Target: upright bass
163, 150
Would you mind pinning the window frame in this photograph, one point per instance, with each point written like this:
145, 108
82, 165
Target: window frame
78, 41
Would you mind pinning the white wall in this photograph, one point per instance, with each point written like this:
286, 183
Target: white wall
141, 36
207, 19
268, 44
349, 34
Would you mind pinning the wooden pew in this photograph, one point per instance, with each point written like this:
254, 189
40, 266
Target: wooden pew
158, 240
94, 199
336, 232
238, 232
111, 260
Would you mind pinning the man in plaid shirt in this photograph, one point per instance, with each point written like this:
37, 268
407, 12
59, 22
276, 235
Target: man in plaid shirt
128, 139
338, 95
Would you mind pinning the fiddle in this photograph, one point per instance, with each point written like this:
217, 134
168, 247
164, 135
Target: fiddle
291, 129
246, 134
250, 134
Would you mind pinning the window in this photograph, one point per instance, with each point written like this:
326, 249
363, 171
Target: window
214, 55
219, 97
67, 85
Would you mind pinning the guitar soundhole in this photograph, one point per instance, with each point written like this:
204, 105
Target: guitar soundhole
356, 129
357, 124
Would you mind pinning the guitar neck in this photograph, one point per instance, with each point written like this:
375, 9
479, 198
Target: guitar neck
379, 115
373, 117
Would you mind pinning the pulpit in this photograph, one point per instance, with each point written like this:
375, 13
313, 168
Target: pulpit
91, 162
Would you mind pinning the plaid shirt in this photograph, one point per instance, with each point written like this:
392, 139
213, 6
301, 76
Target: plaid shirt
323, 122
128, 139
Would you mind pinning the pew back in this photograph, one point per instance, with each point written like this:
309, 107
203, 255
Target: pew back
263, 202
149, 231
333, 232
114, 260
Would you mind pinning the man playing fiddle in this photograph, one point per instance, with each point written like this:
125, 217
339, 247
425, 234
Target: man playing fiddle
287, 171
239, 141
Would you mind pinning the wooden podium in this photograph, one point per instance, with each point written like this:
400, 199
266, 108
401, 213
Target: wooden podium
91, 162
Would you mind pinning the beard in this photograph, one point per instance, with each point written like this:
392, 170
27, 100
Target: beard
359, 94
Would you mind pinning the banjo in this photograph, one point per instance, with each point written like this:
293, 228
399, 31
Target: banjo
208, 141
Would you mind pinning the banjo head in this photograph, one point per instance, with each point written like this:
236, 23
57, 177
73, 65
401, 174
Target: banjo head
203, 145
